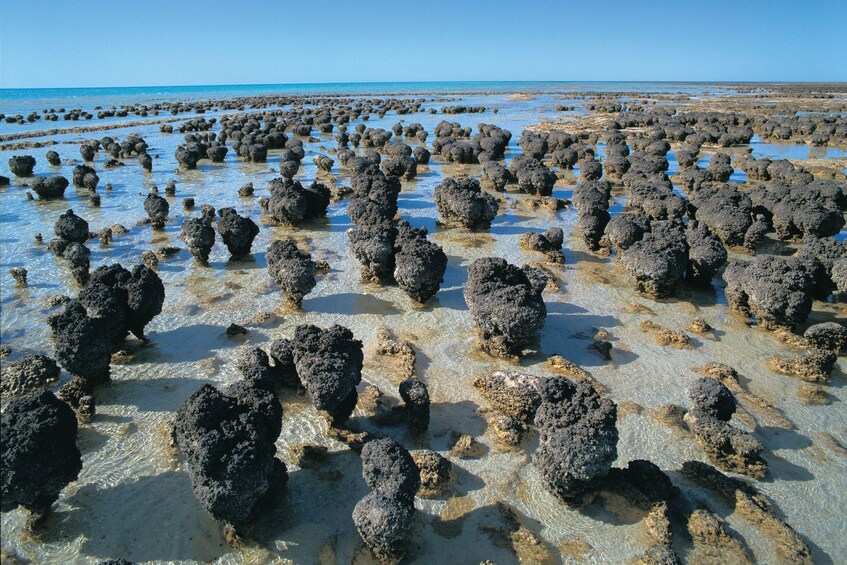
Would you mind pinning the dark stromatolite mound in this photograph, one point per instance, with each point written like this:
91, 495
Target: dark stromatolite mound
329, 364
712, 398
77, 256
39, 452
831, 336
820, 256
53, 158
658, 260
291, 203
816, 208
624, 230
419, 263
374, 197
706, 253
28, 374
532, 176
50, 188
505, 303
157, 209
236, 231
293, 270
199, 236
728, 212
71, 227
462, 200
108, 306
591, 199
579, 438
22, 165
778, 291
81, 179
498, 175
373, 247
416, 397
726, 446
83, 345
228, 441
384, 517
145, 297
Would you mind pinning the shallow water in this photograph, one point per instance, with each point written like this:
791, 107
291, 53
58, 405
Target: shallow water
134, 501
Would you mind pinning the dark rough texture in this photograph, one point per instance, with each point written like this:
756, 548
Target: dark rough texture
831, 336
228, 441
82, 344
419, 264
373, 247
658, 261
706, 253
462, 200
384, 516
293, 270
71, 227
579, 438
778, 291
21, 165
388, 467
236, 231
532, 175
157, 209
711, 397
39, 452
505, 304
291, 203
199, 236
28, 374
383, 521
78, 255
820, 255
329, 364
416, 397
625, 229
374, 199
591, 199
145, 297
49, 188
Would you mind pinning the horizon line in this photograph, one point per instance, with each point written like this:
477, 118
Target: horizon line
411, 82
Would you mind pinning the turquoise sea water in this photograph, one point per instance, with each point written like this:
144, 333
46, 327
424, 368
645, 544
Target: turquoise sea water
18, 100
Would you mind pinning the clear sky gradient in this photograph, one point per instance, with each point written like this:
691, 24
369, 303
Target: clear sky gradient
177, 42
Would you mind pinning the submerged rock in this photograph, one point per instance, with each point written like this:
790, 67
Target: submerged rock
28, 374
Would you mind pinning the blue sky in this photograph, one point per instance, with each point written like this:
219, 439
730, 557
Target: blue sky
154, 42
